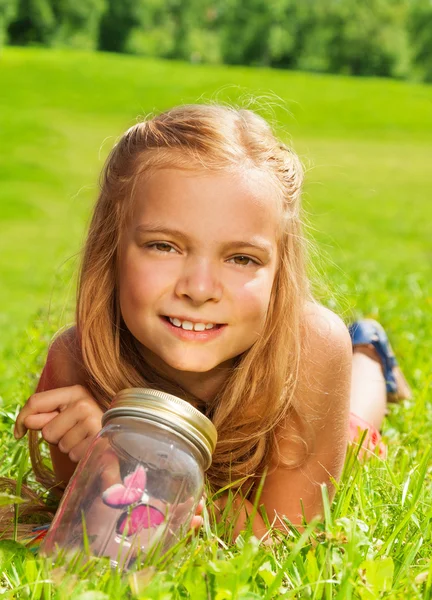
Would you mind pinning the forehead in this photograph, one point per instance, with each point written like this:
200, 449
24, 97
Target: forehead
227, 202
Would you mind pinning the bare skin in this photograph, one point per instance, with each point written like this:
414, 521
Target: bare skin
64, 382
368, 387
190, 262
65, 413
63, 410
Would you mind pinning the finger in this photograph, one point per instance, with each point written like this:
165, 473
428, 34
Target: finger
37, 422
58, 427
88, 428
196, 522
200, 507
87, 415
72, 438
46, 402
19, 428
109, 469
181, 509
79, 451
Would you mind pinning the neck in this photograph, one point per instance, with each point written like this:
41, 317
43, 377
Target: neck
203, 386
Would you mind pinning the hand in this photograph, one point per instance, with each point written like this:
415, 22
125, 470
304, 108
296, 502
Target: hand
197, 519
181, 511
67, 417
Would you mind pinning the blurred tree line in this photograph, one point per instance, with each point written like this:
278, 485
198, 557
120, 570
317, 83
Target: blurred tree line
390, 38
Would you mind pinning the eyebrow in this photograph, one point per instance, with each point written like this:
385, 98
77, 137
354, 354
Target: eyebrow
256, 243
165, 230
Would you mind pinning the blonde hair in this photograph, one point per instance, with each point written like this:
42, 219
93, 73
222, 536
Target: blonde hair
259, 392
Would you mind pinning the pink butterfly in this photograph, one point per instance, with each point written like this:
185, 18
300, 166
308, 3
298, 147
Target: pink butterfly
140, 516
119, 495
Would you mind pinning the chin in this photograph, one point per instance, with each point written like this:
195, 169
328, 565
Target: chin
193, 365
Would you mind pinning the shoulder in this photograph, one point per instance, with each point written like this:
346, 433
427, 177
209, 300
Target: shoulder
63, 365
325, 362
325, 338
322, 396
320, 322
65, 346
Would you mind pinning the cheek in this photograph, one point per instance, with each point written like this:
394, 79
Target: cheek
140, 284
254, 299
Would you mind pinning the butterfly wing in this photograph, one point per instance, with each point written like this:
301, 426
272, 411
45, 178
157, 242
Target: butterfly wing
142, 516
119, 495
137, 479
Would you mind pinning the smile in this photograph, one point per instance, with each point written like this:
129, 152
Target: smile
189, 325
193, 330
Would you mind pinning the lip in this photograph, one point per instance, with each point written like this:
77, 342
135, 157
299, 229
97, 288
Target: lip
193, 336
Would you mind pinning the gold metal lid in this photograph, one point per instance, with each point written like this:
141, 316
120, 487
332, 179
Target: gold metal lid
169, 410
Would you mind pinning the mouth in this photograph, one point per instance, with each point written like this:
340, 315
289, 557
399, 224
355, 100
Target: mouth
192, 325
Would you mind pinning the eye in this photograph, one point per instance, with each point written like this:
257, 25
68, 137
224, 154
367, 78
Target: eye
243, 261
162, 247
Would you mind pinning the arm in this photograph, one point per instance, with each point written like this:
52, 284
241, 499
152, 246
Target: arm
323, 399
62, 408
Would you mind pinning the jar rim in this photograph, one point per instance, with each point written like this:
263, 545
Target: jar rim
167, 409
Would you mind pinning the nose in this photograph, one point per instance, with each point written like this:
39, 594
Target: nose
199, 281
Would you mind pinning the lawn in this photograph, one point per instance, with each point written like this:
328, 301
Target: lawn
367, 145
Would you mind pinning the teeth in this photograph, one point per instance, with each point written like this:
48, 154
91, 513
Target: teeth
189, 326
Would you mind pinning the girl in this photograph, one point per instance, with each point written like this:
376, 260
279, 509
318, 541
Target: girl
193, 281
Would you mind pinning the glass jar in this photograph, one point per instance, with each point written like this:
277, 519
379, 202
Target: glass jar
138, 486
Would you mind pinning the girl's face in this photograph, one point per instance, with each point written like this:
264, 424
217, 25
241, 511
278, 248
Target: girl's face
197, 264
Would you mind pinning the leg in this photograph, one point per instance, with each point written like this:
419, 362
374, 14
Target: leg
376, 376
368, 386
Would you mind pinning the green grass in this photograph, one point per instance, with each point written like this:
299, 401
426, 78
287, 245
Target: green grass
367, 145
